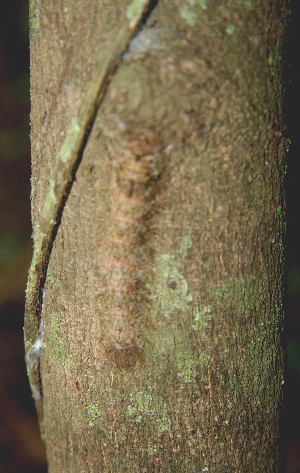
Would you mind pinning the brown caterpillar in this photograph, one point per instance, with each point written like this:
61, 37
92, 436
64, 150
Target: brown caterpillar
130, 214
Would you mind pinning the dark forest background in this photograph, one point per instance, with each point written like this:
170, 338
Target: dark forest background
21, 449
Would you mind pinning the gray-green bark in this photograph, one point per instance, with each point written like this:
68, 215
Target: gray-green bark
204, 392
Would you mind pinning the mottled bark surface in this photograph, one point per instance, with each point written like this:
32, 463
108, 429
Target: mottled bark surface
202, 388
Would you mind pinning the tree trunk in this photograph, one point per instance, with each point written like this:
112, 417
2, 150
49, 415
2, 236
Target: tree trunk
162, 313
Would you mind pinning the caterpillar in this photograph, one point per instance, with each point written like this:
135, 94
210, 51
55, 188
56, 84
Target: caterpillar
130, 214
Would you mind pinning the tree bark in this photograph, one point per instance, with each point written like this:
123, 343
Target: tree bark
162, 312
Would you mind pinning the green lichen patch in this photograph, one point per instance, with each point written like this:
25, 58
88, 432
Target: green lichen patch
135, 9
66, 150
144, 406
202, 317
93, 414
141, 403
47, 212
275, 59
152, 449
170, 291
34, 11
231, 29
163, 423
245, 4
189, 10
206, 358
50, 277
189, 372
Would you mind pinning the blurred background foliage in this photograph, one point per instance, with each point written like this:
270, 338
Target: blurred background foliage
21, 449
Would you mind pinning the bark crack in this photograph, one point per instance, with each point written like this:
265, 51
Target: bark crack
68, 160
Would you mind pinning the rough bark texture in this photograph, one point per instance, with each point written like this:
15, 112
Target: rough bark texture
197, 384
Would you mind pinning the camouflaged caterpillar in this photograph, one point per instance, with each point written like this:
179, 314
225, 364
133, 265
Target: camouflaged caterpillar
125, 242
